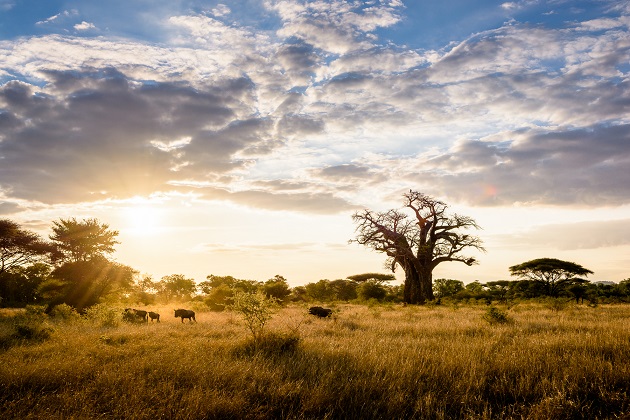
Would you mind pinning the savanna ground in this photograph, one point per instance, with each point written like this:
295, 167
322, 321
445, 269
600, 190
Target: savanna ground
385, 362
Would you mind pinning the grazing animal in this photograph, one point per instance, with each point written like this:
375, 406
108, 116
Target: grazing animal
154, 315
319, 311
185, 313
135, 315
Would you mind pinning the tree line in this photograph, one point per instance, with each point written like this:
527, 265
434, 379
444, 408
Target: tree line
73, 266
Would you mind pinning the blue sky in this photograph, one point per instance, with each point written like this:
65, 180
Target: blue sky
184, 124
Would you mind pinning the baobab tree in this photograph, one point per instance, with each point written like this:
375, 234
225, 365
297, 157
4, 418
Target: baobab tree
417, 238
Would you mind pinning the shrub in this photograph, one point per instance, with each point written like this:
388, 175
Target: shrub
255, 309
32, 331
65, 312
104, 315
270, 344
494, 315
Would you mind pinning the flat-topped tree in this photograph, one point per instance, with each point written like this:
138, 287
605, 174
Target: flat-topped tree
552, 274
378, 277
418, 238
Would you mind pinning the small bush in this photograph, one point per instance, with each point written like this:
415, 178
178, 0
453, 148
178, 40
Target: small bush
105, 316
113, 341
65, 312
270, 344
255, 309
32, 331
556, 304
494, 315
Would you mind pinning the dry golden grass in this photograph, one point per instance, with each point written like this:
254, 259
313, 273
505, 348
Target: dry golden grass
366, 362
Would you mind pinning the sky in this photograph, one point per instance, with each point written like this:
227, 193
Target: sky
239, 137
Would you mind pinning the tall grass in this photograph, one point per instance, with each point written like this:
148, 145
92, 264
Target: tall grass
366, 362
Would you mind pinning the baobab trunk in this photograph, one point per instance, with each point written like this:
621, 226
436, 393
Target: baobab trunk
418, 284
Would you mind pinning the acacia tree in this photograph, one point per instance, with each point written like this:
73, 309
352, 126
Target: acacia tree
418, 243
552, 274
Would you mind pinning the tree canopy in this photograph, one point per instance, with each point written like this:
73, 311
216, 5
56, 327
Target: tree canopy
372, 276
551, 273
82, 240
417, 238
19, 247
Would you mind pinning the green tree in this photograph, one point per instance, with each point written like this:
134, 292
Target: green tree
144, 290
447, 287
344, 289
20, 247
82, 240
418, 243
277, 287
177, 287
321, 291
499, 289
552, 274
371, 289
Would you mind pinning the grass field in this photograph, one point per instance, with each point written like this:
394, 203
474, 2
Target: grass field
380, 362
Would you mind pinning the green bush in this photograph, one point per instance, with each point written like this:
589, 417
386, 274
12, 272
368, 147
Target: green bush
494, 315
270, 344
65, 312
104, 315
32, 331
255, 309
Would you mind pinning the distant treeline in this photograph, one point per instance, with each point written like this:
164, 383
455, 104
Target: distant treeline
73, 267
30, 285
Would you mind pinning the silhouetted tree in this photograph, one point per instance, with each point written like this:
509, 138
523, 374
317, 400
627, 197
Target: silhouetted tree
418, 243
20, 247
82, 284
552, 274
372, 276
84, 276
19, 285
82, 240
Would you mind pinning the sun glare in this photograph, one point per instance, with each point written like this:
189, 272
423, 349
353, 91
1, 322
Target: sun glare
142, 219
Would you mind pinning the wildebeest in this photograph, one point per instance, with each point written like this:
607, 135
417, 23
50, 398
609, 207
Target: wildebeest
319, 311
185, 313
154, 315
133, 315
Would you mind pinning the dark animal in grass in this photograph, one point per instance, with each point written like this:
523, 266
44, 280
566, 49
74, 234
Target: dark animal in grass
319, 311
185, 313
154, 315
133, 315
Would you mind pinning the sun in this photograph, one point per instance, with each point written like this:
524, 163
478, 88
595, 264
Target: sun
142, 219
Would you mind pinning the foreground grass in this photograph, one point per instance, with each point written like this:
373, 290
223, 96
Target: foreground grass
379, 362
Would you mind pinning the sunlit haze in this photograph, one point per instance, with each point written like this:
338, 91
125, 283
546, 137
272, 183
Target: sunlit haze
238, 138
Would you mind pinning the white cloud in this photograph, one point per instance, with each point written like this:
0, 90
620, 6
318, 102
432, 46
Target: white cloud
221, 10
84, 26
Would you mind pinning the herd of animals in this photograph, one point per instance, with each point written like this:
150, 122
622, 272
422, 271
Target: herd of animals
139, 315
